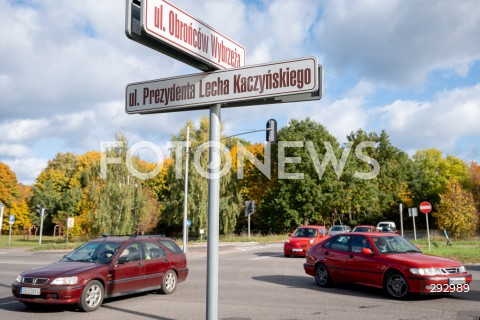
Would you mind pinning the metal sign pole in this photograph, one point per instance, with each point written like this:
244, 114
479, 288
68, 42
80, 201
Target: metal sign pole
213, 212
42, 214
185, 204
428, 232
414, 229
400, 207
1, 218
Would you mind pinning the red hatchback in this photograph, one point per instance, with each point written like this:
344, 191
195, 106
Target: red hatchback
302, 239
385, 261
103, 268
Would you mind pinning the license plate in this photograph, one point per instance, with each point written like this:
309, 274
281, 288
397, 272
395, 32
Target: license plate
30, 291
460, 280
297, 250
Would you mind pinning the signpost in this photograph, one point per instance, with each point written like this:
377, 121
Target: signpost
11, 221
426, 207
412, 212
170, 30
265, 83
162, 26
1, 217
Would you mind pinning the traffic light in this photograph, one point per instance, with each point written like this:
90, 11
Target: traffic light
38, 209
272, 130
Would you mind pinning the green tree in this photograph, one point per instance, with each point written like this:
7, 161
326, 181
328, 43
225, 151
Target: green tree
230, 200
308, 187
457, 212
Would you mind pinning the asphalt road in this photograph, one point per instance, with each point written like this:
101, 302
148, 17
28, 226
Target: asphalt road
256, 282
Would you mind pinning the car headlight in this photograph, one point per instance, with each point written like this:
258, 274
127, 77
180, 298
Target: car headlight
311, 241
19, 279
462, 269
426, 271
67, 280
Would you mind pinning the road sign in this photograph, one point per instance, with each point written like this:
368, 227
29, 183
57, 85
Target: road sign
11, 219
189, 223
425, 207
70, 222
265, 83
162, 26
412, 212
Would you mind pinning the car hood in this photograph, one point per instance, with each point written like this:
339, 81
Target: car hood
421, 260
57, 269
299, 240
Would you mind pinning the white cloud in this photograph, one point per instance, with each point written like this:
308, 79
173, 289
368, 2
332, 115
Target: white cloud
27, 169
401, 41
440, 123
13, 150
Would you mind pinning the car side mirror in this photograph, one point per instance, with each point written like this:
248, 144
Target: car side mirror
123, 260
289, 234
367, 251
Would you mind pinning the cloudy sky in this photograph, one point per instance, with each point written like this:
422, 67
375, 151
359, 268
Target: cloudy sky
409, 67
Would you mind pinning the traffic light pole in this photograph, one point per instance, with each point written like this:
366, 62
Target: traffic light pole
42, 214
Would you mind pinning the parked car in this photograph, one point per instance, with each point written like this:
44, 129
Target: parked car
336, 229
364, 228
103, 268
386, 261
302, 239
386, 226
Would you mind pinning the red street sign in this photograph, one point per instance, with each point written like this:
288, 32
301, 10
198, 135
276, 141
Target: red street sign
425, 207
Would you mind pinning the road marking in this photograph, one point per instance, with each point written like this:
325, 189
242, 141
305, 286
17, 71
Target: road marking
1, 304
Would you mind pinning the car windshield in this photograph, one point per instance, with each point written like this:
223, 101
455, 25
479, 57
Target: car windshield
305, 232
381, 225
337, 228
98, 252
393, 244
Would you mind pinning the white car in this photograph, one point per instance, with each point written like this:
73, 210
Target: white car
386, 226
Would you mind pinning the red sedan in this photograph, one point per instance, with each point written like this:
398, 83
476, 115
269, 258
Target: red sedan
103, 268
385, 261
302, 239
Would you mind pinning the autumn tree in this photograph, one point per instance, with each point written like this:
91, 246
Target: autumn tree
230, 200
308, 186
457, 212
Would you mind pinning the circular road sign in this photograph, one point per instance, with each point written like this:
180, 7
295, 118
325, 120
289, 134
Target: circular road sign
425, 207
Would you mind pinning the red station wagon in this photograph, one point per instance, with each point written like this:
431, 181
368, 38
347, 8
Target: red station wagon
386, 261
302, 239
104, 268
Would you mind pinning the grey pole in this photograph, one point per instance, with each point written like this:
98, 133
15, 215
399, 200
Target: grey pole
400, 207
42, 214
1, 217
185, 205
213, 213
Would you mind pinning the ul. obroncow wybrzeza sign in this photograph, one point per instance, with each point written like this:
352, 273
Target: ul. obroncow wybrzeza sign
285, 81
160, 25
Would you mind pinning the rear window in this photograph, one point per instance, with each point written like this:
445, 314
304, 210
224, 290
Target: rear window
172, 246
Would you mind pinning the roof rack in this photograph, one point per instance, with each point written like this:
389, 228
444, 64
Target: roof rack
134, 235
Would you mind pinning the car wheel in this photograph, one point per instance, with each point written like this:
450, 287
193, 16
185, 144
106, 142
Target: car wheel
169, 282
321, 276
92, 296
287, 255
396, 285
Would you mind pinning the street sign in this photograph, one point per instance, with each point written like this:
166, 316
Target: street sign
11, 219
425, 207
412, 212
265, 83
70, 222
162, 26
189, 223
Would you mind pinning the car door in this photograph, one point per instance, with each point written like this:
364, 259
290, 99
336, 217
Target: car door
156, 264
337, 258
364, 267
129, 270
